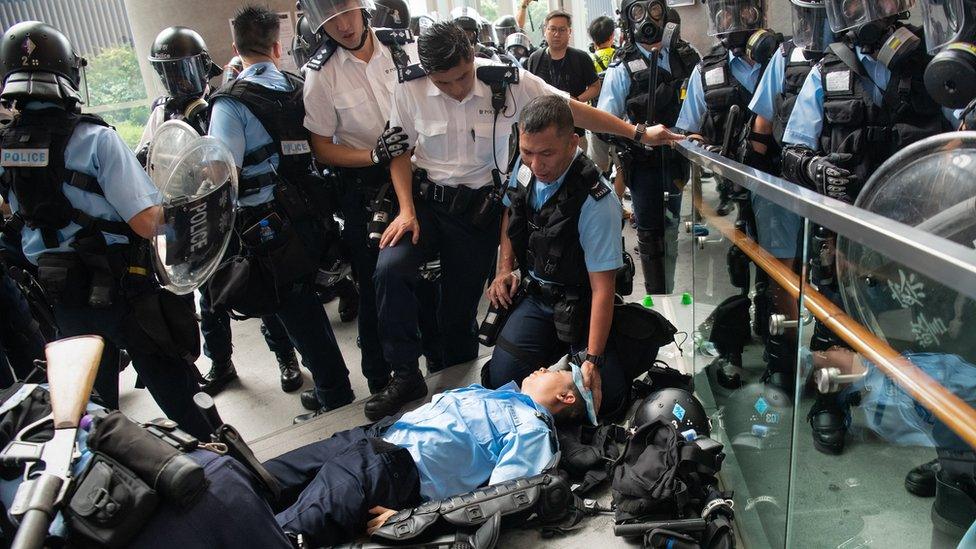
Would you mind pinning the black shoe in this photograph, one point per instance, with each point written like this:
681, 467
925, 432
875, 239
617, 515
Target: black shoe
725, 207
377, 385
954, 509
920, 481
401, 390
727, 371
309, 400
302, 418
349, 302
829, 421
291, 374
220, 374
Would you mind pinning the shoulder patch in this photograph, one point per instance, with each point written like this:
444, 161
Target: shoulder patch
599, 190
411, 72
394, 36
322, 55
838, 82
524, 176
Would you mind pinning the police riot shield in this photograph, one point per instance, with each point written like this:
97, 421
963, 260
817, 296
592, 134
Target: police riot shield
199, 193
930, 185
168, 142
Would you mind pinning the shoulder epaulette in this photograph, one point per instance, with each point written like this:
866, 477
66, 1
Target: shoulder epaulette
394, 36
600, 189
322, 55
411, 72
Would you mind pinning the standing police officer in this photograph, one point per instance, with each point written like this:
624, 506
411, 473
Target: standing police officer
348, 93
253, 116
180, 58
864, 102
650, 173
457, 118
84, 207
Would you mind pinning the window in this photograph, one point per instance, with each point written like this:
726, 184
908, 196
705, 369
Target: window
115, 91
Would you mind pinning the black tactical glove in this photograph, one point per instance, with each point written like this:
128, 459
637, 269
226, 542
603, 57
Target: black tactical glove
717, 149
829, 178
391, 144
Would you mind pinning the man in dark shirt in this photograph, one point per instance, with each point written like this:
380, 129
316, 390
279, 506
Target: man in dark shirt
563, 67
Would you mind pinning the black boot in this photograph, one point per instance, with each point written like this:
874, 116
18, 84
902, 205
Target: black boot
309, 400
377, 385
920, 481
727, 368
829, 421
954, 509
291, 375
348, 301
780, 357
220, 374
407, 385
652, 248
725, 202
302, 418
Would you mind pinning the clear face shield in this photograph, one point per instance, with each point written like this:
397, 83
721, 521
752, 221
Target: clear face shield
502, 33
728, 16
384, 17
184, 77
319, 11
811, 31
945, 22
486, 33
519, 45
847, 14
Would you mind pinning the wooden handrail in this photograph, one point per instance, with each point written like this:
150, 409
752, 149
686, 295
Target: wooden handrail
949, 408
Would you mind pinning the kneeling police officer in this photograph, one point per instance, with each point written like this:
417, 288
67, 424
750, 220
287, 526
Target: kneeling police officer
562, 229
259, 117
83, 208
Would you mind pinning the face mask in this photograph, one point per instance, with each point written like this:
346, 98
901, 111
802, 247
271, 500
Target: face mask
761, 45
648, 24
897, 47
736, 42
950, 77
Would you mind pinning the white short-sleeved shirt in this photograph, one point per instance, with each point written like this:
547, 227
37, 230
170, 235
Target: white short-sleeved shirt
453, 139
349, 99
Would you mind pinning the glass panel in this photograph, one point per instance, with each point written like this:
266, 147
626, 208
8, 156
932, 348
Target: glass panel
743, 372
115, 91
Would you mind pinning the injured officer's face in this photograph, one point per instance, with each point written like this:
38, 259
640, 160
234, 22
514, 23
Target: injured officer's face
554, 390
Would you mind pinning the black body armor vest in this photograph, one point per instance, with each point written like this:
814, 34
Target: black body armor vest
33, 151
681, 59
722, 90
797, 67
854, 124
282, 114
548, 241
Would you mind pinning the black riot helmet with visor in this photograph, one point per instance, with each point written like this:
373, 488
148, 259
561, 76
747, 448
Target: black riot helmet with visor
950, 34
318, 12
391, 14
505, 26
180, 58
519, 45
305, 42
811, 31
486, 33
649, 22
420, 23
868, 24
38, 62
469, 20
741, 27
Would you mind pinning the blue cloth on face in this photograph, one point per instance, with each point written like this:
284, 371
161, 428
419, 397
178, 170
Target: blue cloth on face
237, 127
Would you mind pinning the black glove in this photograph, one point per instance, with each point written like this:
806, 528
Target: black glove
830, 179
717, 149
391, 144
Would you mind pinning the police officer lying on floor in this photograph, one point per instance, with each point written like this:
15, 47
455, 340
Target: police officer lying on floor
458, 119
463, 439
82, 211
246, 111
562, 229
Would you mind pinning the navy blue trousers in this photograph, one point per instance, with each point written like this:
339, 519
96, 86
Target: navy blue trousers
329, 487
467, 254
531, 330
21, 341
647, 185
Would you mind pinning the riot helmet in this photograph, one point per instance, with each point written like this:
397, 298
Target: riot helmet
519, 45
180, 58
38, 62
811, 31
391, 14
486, 33
866, 23
950, 30
420, 23
505, 26
734, 22
649, 22
677, 407
319, 11
305, 41
469, 21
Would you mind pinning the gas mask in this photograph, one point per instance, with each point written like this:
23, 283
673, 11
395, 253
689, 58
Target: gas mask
762, 44
648, 23
950, 34
736, 23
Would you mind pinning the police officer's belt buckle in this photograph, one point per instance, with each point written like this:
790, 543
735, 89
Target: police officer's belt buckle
438, 193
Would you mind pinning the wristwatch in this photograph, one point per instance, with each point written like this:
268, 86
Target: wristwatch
640, 131
597, 360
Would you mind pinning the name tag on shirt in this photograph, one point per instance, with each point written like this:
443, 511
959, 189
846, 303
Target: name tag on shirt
837, 81
637, 65
24, 158
291, 148
715, 77
524, 175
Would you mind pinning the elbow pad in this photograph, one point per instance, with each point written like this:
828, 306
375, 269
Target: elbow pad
748, 155
794, 163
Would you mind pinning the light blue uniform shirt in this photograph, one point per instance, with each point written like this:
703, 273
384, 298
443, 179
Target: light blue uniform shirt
616, 83
99, 152
598, 226
770, 87
242, 132
693, 109
806, 120
467, 437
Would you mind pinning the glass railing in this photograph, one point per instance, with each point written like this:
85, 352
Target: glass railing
859, 321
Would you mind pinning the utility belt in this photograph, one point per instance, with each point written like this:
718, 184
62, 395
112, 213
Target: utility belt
91, 276
570, 307
311, 196
481, 208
